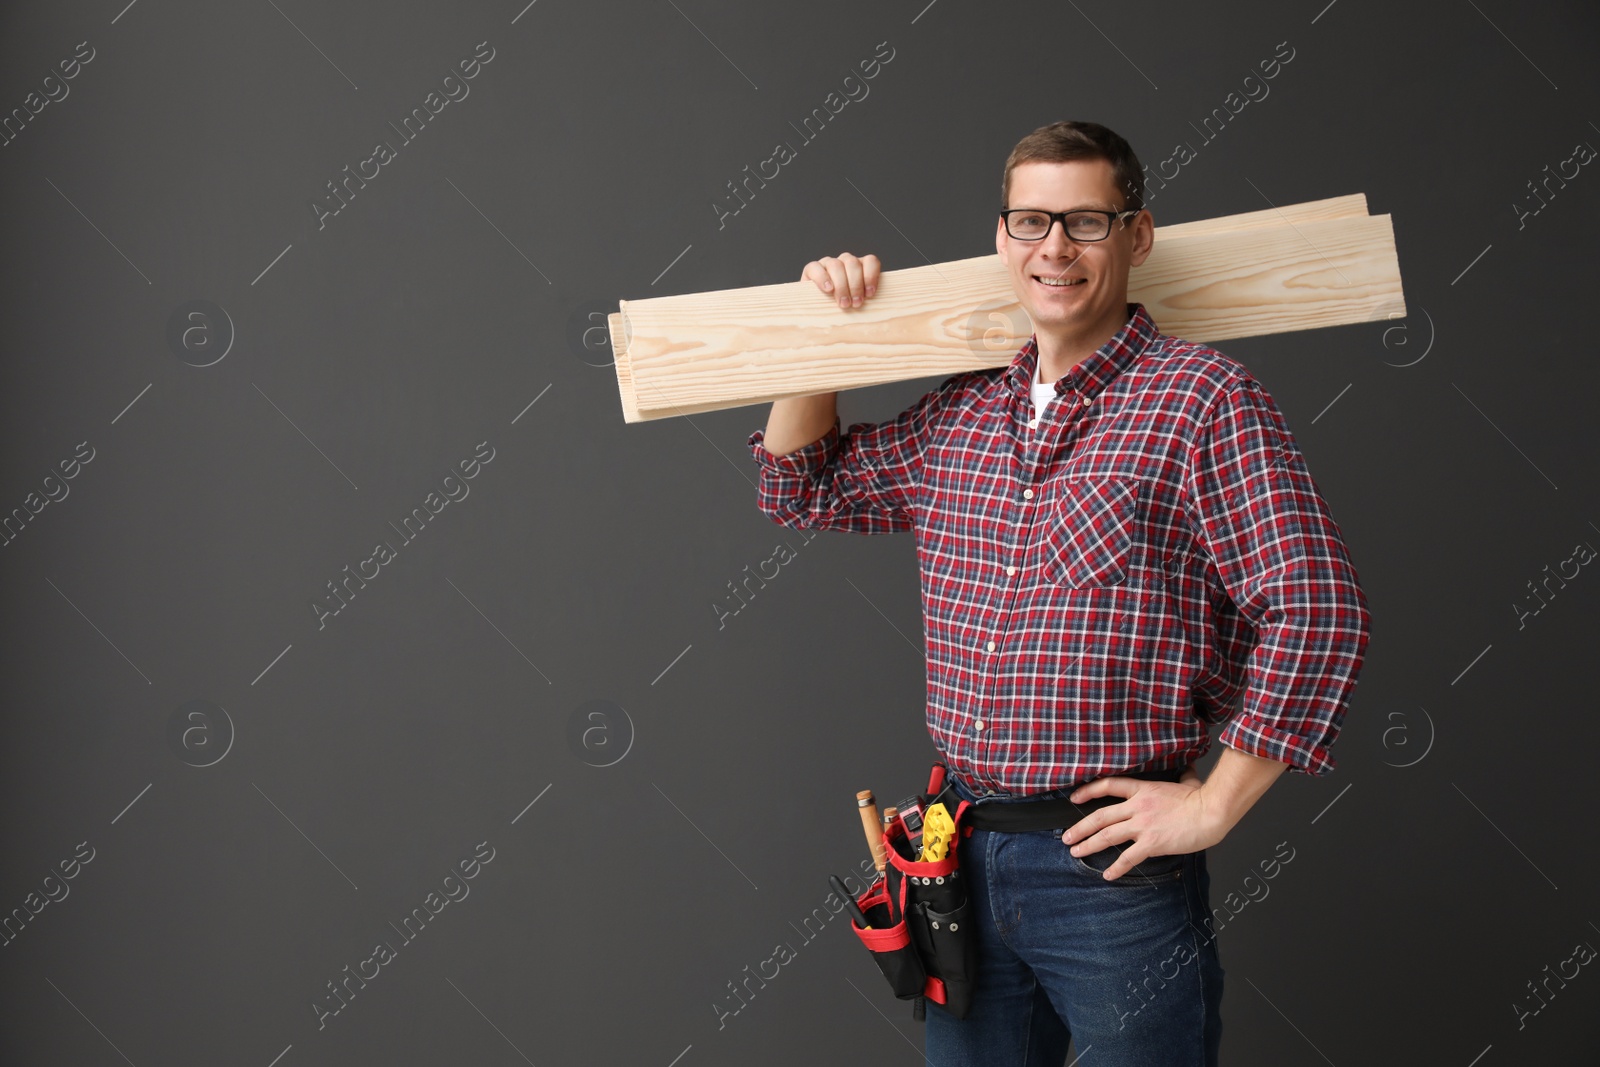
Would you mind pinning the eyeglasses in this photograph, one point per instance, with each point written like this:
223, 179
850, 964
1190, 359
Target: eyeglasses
1085, 224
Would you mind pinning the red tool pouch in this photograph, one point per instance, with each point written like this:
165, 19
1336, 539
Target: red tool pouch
917, 912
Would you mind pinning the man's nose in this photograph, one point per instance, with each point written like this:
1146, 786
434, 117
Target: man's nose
1057, 245
1056, 242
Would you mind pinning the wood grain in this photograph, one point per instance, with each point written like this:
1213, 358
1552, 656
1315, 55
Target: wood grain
1295, 267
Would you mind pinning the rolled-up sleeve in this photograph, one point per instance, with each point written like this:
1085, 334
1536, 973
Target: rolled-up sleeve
1282, 560
861, 480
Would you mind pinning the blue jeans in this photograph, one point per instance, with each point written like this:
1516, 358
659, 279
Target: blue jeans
1124, 968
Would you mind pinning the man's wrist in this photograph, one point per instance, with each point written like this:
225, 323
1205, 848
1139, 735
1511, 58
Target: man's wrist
1233, 787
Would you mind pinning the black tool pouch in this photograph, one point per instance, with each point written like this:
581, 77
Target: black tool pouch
917, 911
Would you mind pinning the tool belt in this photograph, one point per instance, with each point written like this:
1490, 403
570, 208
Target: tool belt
917, 913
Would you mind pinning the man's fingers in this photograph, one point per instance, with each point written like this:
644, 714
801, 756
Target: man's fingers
1110, 825
828, 274
1120, 868
1112, 785
1088, 843
854, 289
838, 280
817, 274
1129, 860
849, 279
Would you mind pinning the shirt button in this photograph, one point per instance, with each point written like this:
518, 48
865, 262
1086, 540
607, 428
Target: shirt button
1083, 400
1027, 494
1011, 570
978, 725
991, 646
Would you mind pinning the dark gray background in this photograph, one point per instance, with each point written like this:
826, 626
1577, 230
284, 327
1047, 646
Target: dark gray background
1440, 869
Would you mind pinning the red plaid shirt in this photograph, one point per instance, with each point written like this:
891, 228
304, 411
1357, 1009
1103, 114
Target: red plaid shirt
1152, 558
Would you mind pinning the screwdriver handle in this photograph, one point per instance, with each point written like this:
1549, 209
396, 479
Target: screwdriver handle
872, 826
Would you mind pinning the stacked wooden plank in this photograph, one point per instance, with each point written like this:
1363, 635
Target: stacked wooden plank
1296, 267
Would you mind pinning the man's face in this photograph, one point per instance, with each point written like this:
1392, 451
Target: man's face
1097, 270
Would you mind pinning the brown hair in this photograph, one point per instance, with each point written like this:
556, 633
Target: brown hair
1064, 141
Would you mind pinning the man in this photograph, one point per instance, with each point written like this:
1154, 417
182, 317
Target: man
1119, 544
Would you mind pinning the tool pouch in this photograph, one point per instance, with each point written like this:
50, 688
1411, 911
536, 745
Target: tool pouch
917, 911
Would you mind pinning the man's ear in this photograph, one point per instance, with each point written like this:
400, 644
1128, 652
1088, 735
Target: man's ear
1000, 241
1144, 237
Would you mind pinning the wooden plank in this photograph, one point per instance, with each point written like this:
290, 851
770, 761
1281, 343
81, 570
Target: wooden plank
1334, 207
1301, 266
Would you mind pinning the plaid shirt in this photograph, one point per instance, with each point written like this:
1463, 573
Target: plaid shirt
1150, 558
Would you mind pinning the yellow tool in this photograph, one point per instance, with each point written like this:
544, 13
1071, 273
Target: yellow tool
938, 830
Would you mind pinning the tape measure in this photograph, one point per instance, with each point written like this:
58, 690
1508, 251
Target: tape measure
938, 829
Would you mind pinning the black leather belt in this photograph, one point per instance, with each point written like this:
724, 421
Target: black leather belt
1052, 813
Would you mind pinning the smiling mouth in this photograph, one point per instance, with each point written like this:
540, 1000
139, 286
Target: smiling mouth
1056, 284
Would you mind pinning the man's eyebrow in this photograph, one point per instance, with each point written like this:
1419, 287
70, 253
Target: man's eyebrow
1097, 206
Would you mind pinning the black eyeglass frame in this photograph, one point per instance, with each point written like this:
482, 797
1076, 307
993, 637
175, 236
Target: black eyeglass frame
1111, 216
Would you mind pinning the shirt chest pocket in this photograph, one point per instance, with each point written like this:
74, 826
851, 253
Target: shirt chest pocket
1089, 538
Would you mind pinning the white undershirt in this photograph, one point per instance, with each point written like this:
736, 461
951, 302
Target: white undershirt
1043, 393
